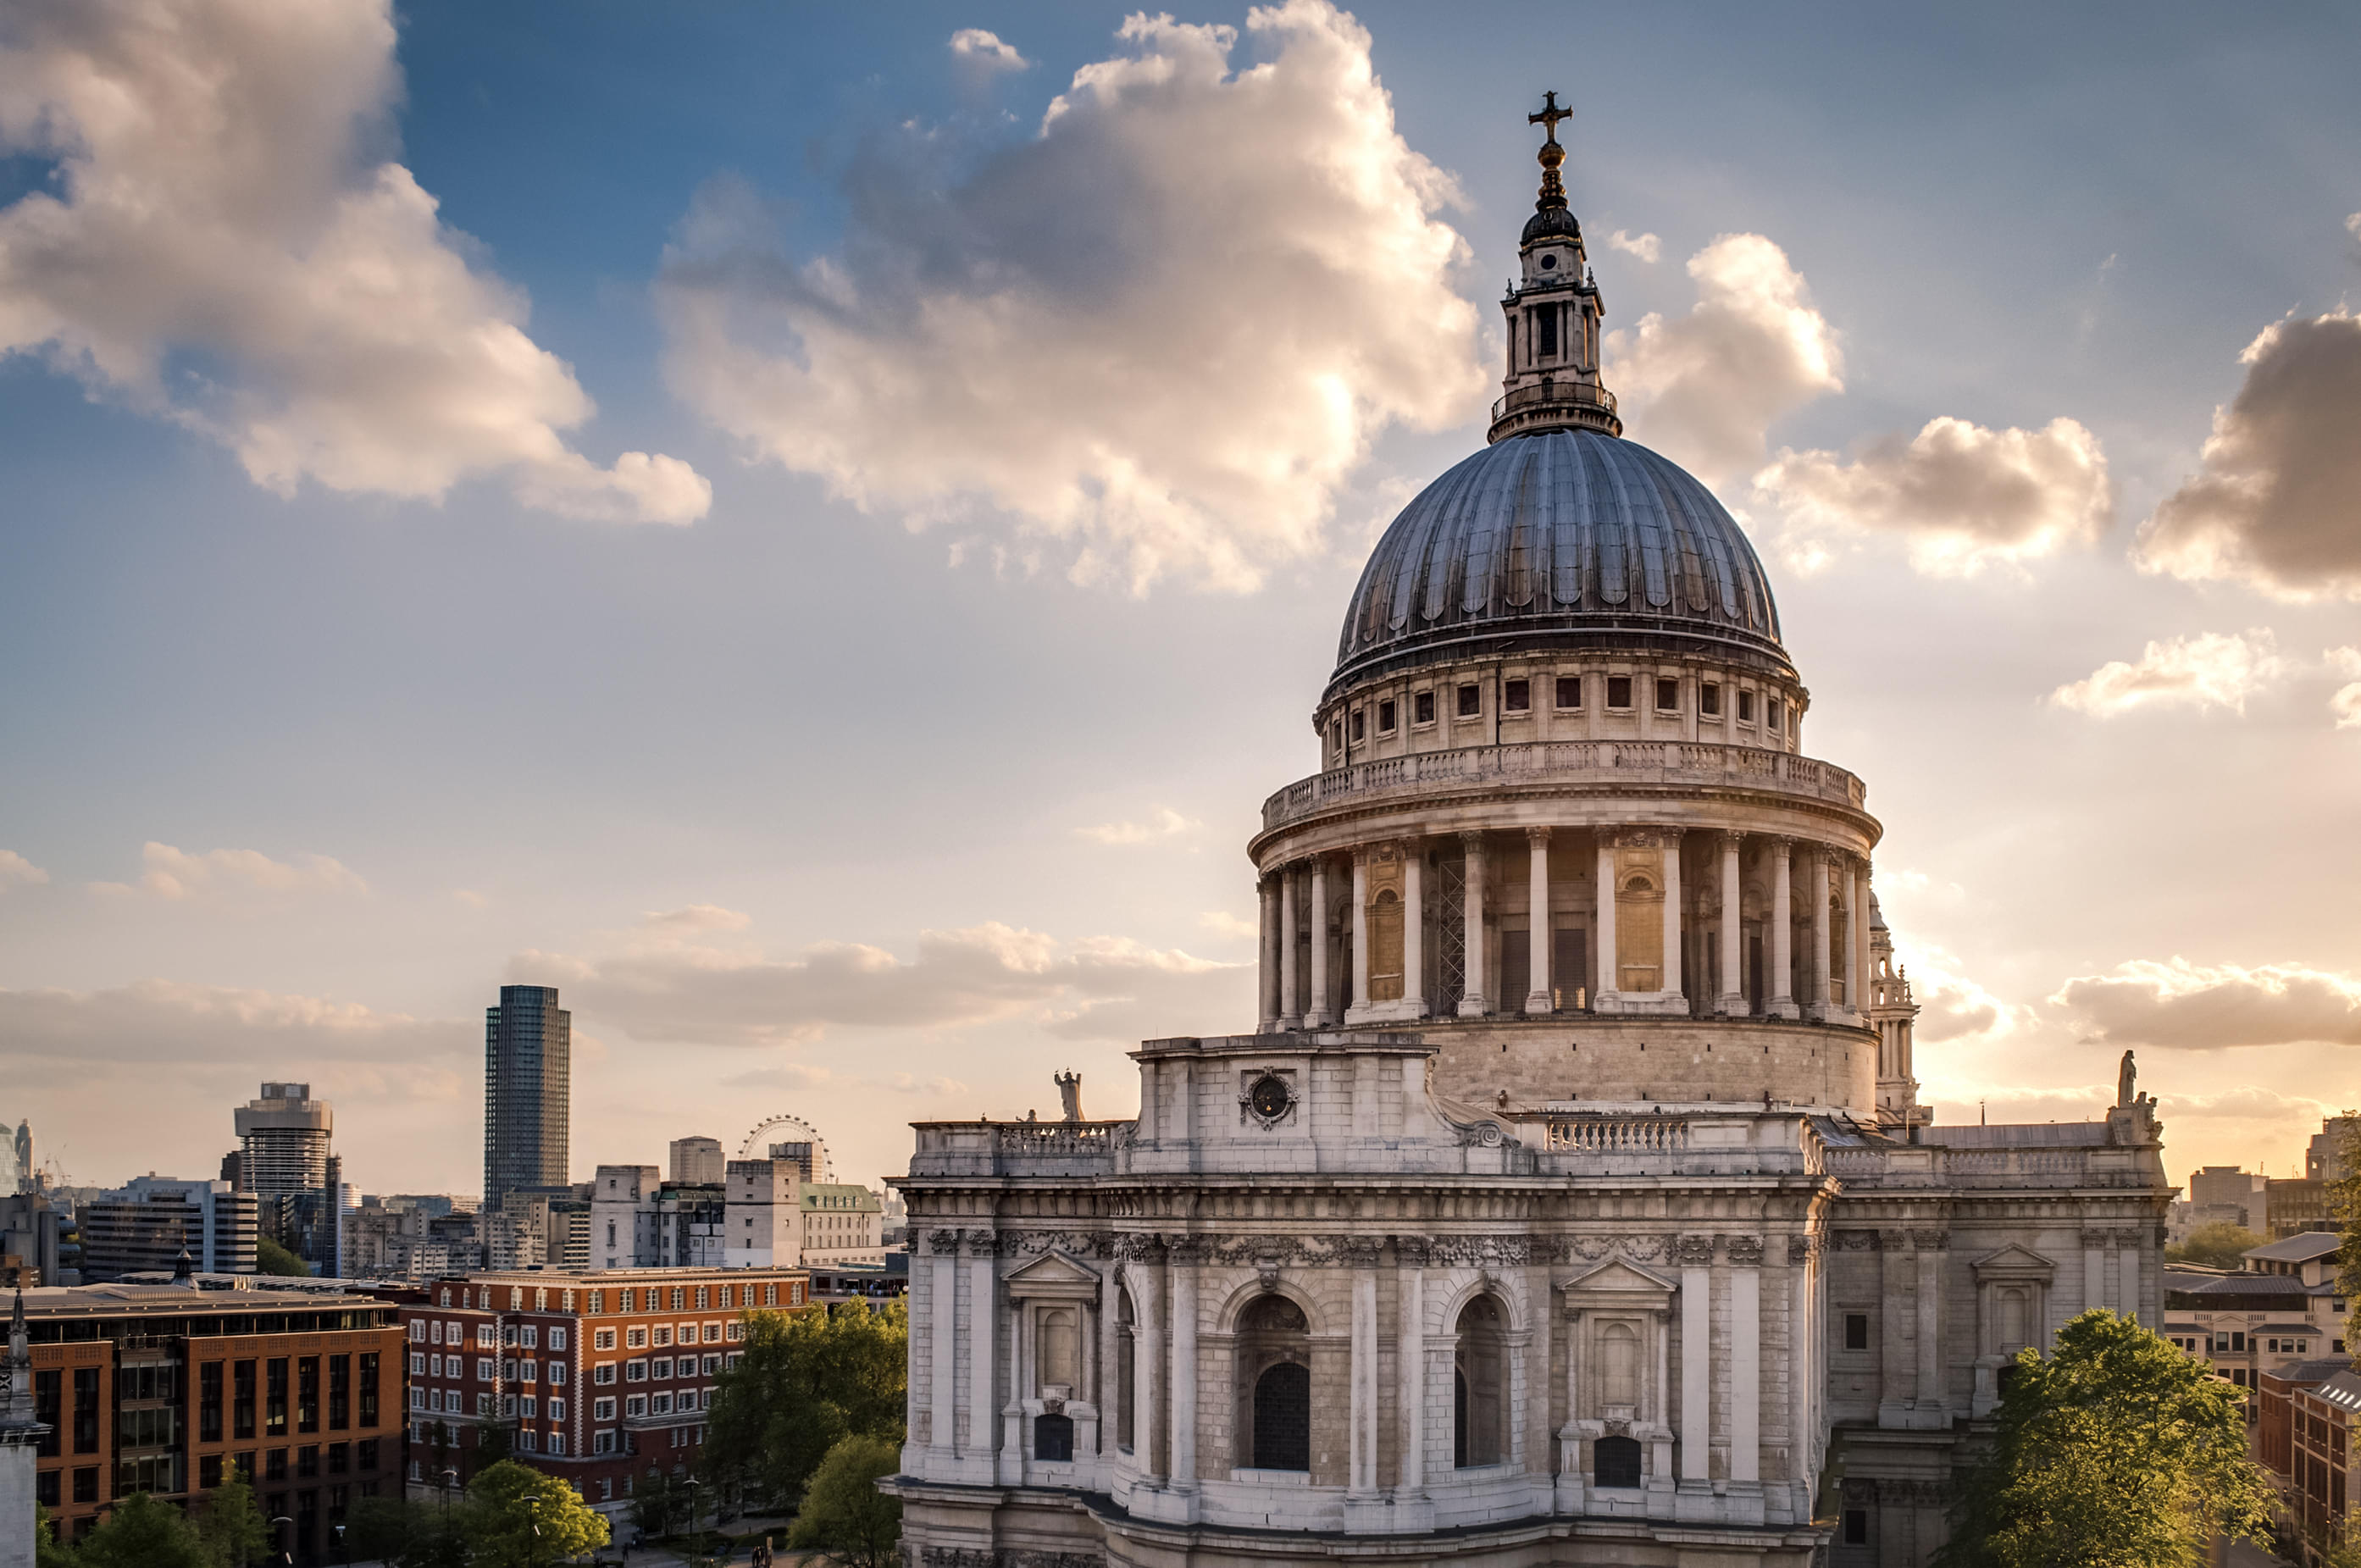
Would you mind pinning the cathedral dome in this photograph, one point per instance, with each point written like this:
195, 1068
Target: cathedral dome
1562, 538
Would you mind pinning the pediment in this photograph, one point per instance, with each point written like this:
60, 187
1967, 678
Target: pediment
2015, 1262
1053, 1274
1617, 1275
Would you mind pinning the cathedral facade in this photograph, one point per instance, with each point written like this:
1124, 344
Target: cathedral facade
1571, 1202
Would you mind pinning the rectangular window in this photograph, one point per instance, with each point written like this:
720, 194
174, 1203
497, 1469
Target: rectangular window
635, 1371
209, 1402
274, 1465
603, 1373
557, 1339
307, 1462
1569, 693
1668, 696
1471, 701
1746, 708
604, 1339
209, 1471
1517, 696
660, 1404
528, 1407
340, 1458
532, 1336
1545, 319
1421, 707
418, 1365
1856, 1527
713, 1333
662, 1369
368, 1387
1856, 1331
45, 1487
85, 1486
85, 1410
558, 1409
679, 1298
340, 1392
1358, 732
1709, 699
602, 1409
713, 1365
557, 1372
274, 1400
664, 1333
635, 1405
1618, 692
47, 1397
1386, 717
1771, 707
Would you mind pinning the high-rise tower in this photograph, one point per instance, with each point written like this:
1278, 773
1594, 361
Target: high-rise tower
527, 1091
283, 1133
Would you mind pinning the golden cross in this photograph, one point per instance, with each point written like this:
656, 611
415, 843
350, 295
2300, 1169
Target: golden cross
1550, 115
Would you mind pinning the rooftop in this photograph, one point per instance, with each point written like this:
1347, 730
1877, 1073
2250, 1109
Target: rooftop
2303, 1247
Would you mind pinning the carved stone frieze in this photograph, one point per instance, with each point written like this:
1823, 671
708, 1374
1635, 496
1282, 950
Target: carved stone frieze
2095, 1241
1411, 1251
1182, 1248
943, 1244
1076, 1243
1894, 1241
1744, 1250
1855, 1241
1361, 1252
1446, 1252
1931, 1241
982, 1244
1139, 1247
1693, 1252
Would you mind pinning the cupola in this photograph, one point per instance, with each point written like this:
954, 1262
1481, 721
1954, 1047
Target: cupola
1553, 315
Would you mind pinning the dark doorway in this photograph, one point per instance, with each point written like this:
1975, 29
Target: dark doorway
1053, 1438
1282, 1418
1615, 1462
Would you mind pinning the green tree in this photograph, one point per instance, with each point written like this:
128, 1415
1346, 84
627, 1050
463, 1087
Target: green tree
844, 1514
142, 1533
659, 1505
805, 1382
48, 1550
234, 1531
2117, 1452
270, 1257
519, 1518
2217, 1244
2345, 1203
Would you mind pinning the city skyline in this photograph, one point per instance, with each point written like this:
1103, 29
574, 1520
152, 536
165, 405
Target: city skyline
870, 759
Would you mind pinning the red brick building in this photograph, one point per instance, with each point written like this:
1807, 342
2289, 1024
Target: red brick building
2305, 1436
600, 1377
169, 1388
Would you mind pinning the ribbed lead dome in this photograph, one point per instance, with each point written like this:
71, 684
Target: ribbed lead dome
1553, 539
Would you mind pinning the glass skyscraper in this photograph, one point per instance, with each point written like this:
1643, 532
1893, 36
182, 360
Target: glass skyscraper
527, 1091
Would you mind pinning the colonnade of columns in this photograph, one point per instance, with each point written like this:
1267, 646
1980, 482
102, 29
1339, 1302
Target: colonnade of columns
1299, 918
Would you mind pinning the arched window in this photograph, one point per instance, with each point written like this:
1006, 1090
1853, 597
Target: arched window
1275, 1384
1480, 1384
1615, 1462
2013, 1335
1126, 1361
1060, 1351
1619, 1368
1386, 945
1053, 1438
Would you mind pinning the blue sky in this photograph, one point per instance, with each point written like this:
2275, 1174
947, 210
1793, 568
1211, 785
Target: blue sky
718, 769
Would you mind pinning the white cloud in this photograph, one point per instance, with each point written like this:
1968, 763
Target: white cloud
1222, 923
2182, 1005
1092, 989
985, 49
220, 202
2345, 701
165, 1022
1963, 495
1705, 388
175, 874
699, 918
2215, 669
15, 870
1152, 340
1646, 247
2272, 504
2353, 225
1162, 822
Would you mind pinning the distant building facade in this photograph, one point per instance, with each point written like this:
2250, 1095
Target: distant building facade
169, 1389
283, 1140
146, 1225
843, 1223
601, 1377
2281, 1308
698, 1161
528, 1095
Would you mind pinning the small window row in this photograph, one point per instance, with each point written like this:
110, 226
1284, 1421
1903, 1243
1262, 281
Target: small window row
1566, 696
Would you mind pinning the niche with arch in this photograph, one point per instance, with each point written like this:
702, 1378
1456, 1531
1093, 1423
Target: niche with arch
1126, 1366
1479, 1385
1274, 1393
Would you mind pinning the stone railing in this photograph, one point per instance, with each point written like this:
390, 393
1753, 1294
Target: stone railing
1607, 762
1616, 1135
1016, 1148
1632, 1142
1923, 1166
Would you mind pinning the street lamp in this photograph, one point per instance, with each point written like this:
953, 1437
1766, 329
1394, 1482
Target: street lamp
450, 1478
343, 1553
286, 1545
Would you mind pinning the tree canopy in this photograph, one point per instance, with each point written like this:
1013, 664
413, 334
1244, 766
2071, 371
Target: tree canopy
138, 1532
519, 1518
806, 1382
232, 1527
2216, 1244
2116, 1452
844, 1514
270, 1257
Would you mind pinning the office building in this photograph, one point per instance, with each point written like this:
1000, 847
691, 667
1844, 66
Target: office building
40, 1241
168, 1390
601, 1378
843, 1224
145, 1227
283, 1137
527, 1091
697, 1160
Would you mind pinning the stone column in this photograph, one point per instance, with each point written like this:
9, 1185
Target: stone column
1609, 977
1746, 1358
1290, 997
1410, 1253
1471, 999
1816, 1002
1268, 978
1897, 1292
1359, 931
1804, 1359
983, 1340
1696, 1254
1148, 1346
1414, 929
1930, 1247
2094, 1270
2127, 1273
1537, 933
1101, 1385
1361, 1473
1316, 1015
1673, 978
1781, 920
1861, 901
1733, 1003
1856, 921
1183, 1256
942, 1287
